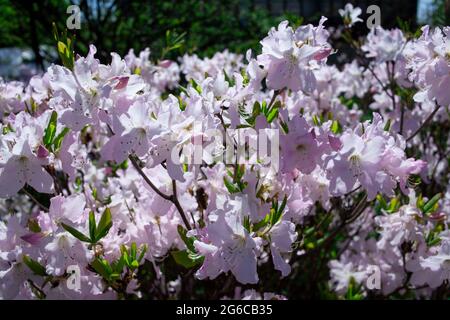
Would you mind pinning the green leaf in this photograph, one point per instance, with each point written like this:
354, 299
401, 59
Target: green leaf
33, 226
186, 260
336, 127
230, 186
55, 32
353, 291
387, 126
434, 241
284, 126
50, 131
264, 107
283, 205
196, 86
240, 171
92, 225
142, 254
246, 223
62, 49
394, 205
431, 204
273, 113
420, 203
184, 90
188, 241
382, 202
133, 251
134, 264
274, 217
77, 234
256, 109
65, 53
125, 256
316, 120
432, 238
100, 268
104, 225
118, 266
34, 266
182, 104
114, 276
64, 46
228, 79
106, 265
262, 223
59, 138
276, 212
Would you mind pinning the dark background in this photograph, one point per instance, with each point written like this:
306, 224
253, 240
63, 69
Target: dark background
210, 25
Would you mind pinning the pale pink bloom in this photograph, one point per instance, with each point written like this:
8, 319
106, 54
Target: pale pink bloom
286, 55
24, 167
384, 45
299, 147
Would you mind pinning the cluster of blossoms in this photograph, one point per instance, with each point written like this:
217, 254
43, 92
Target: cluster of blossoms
97, 175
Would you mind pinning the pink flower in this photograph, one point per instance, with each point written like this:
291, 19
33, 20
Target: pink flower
357, 161
282, 236
299, 148
136, 130
384, 45
286, 55
439, 265
229, 246
23, 167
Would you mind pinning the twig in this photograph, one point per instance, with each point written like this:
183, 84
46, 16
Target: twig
142, 173
177, 204
43, 207
275, 94
402, 115
357, 210
430, 117
172, 198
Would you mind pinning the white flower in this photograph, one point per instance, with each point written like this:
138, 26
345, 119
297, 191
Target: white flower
350, 14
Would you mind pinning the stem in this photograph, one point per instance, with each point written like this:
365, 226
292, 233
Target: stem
357, 210
43, 207
425, 122
275, 94
391, 87
138, 168
350, 192
177, 204
402, 115
172, 198
379, 81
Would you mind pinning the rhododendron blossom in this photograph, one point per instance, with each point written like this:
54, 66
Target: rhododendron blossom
155, 179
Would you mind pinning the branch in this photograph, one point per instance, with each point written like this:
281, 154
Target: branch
177, 204
430, 117
274, 96
142, 173
42, 206
402, 116
172, 198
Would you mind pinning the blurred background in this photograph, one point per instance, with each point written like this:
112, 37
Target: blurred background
27, 43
